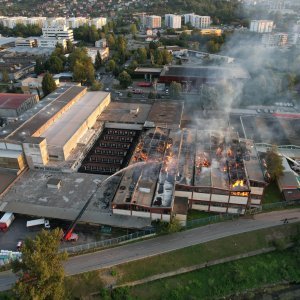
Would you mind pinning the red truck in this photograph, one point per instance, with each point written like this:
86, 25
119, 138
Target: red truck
6, 221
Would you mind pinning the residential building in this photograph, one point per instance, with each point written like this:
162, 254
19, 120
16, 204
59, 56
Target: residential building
76, 22
275, 39
172, 21
55, 22
197, 21
98, 22
261, 26
92, 52
153, 22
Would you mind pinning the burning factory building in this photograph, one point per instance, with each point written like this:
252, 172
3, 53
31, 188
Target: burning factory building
190, 169
227, 176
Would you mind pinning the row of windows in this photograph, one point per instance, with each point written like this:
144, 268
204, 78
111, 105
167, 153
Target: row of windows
121, 132
100, 169
118, 138
111, 152
114, 145
106, 160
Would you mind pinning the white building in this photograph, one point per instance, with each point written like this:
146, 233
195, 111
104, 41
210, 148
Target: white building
26, 42
59, 32
39, 21
172, 21
76, 22
197, 21
54, 22
11, 22
153, 21
92, 52
261, 26
275, 40
51, 42
101, 43
98, 22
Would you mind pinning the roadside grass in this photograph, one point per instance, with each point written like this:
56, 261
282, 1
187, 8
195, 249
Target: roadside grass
197, 214
272, 194
225, 279
229, 246
202, 253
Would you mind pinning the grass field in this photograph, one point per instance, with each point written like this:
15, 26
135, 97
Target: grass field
196, 214
225, 279
174, 260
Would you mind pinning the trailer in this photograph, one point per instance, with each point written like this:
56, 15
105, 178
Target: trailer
6, 221
38, 222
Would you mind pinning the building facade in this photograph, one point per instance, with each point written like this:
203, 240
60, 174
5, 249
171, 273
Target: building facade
58, 32
172, 21
261, 26
153, 22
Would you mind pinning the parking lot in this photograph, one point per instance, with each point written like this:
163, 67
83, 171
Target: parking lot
19, 232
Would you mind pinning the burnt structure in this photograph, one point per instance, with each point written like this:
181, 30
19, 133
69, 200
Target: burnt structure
111, 152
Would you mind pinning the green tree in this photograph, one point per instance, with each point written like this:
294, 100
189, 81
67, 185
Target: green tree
5, 76
98, 61
111, 41
96, 86
41, 271
141, 55
39, 67
55, 64
274, 163
111, 65
70, 46
48, 84
133, 29
175, 90
125, 79
83, 73
166, 56
158, 57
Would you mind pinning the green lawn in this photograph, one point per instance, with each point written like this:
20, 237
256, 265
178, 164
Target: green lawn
225, 279
272, 194
201, 253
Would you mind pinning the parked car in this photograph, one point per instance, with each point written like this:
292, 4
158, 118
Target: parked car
19, 245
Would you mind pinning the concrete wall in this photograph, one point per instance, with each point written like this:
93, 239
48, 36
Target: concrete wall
218, 209
257, 190
121, 212
220, 198
17, 163
201, 196
200, 207
238, 200
183, 194
36, 154
142, 214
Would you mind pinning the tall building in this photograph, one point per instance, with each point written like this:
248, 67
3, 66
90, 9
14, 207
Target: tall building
197, 21
275, 40
153, 21
58, 32
261, 26
98, 22
76, 22
172, 21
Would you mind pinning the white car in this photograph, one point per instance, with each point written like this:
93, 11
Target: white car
47, 224
106, 89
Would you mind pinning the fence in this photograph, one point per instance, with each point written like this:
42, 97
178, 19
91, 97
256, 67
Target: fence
189, 224
208, 220
283, 204
109, 242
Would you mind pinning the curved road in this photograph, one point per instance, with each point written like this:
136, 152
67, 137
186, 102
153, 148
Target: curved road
134, 251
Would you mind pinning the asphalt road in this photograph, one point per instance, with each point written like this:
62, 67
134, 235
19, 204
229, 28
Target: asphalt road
110, 257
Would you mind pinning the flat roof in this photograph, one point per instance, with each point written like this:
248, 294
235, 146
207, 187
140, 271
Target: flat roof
148, 70
6, 178
73, 119
121, 112
60, 98
166, 113
30, 195
213, 72
13, 101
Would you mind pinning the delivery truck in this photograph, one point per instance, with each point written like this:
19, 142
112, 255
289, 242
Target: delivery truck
6, 221
36, 224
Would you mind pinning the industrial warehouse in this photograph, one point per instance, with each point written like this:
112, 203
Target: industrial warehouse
171, 163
